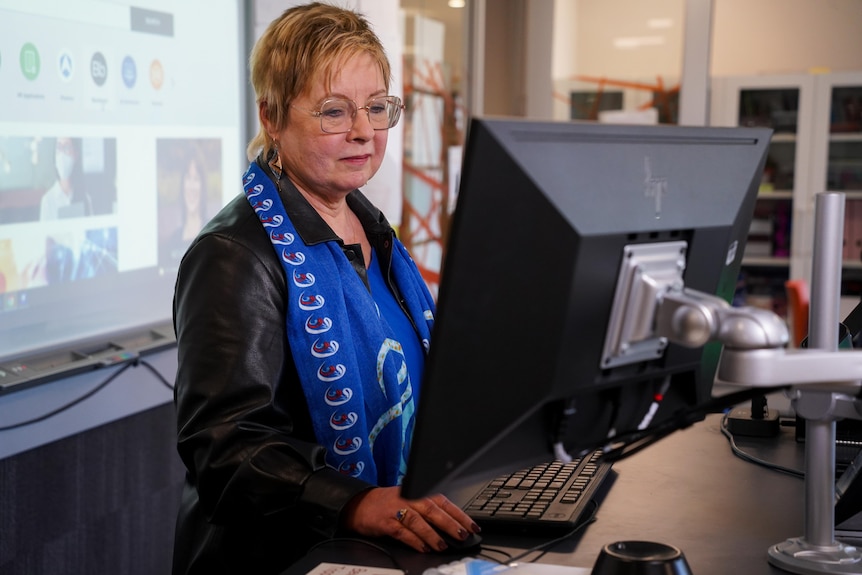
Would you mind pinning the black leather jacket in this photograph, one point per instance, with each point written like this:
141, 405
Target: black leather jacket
257, 491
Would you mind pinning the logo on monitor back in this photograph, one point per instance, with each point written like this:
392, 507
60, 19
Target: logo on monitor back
654, 187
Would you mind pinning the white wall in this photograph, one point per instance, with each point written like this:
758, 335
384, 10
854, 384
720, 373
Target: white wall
600, 25
786, 36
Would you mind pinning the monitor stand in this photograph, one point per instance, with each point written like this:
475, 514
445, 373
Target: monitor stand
826, 382
818, 551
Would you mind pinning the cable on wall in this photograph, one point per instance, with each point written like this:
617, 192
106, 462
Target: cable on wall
90, 393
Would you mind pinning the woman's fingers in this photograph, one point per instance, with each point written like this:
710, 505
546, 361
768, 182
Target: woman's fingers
417, 532
382, 511
439, 513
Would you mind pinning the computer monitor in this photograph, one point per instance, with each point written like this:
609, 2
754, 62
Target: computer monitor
549, 216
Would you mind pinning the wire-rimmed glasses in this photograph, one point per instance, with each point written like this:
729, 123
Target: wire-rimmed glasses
338, 114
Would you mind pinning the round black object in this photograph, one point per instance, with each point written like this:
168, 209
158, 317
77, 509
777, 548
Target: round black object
640, 558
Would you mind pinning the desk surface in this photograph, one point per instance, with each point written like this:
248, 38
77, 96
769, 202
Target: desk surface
687, 490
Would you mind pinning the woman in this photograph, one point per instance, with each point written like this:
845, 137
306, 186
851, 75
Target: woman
193, 211
302, 324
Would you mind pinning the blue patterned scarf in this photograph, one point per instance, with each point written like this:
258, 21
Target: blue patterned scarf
353, 371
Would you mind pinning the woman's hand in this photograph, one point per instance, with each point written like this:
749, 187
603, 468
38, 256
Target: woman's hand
382, 511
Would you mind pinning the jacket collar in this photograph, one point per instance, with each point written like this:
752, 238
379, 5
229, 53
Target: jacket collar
308, 223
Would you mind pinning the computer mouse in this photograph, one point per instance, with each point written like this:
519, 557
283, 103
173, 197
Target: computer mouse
456, 545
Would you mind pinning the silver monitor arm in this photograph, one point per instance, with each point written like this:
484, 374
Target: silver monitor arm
693, 319
653, 307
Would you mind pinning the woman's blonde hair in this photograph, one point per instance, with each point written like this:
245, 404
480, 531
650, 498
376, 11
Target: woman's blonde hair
302, 42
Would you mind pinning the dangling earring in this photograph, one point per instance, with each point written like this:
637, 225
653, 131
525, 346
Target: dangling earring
274, 161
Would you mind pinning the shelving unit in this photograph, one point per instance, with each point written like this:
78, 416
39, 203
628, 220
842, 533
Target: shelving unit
838, 163
816, 147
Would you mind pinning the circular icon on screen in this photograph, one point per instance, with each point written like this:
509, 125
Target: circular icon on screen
129, 72
157, 75
30, 62
65, 65
98, 69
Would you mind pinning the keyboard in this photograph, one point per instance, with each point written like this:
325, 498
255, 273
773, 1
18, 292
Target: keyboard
548, 497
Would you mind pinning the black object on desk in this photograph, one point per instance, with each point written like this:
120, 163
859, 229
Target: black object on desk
641, 558
758, 420
472, 542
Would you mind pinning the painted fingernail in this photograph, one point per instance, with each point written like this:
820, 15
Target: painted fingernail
475, 528
442, 546
425, 548
462, 533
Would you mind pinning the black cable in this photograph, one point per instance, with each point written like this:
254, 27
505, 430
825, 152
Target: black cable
751, 458
546, 546
71, 404
633, 446
630, 442
484, 550
92, 392
164, 381
616, 404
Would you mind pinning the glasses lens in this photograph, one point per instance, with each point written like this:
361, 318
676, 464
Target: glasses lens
337, 115
384, 112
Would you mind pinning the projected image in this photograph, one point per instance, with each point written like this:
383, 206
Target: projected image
190, 192
54, 178
22, 264
58, 258
72, 257
90, 224
9, 276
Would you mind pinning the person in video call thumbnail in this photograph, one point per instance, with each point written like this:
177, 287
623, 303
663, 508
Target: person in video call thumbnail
303, 324
193, 210
64, 198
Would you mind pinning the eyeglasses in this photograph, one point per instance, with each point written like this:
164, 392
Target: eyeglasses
338, 114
